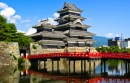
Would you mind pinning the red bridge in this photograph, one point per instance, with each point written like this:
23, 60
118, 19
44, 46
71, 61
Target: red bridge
89, 55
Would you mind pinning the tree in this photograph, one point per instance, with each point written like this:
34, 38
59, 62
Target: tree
102, 49
8, 33
23, 40
114, 49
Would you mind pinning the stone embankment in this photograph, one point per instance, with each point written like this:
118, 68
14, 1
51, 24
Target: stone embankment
5, 60
8, 52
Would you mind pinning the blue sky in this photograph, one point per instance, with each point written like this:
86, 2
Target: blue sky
107, 18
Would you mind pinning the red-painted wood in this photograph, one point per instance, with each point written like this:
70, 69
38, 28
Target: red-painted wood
106, 55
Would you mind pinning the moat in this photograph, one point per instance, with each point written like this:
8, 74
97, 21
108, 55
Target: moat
116, 71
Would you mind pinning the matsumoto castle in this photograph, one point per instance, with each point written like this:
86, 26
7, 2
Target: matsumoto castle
70, 35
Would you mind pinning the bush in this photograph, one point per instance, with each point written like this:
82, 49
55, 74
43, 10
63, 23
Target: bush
21, 60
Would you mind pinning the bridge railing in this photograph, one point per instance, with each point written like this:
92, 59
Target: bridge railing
80, 55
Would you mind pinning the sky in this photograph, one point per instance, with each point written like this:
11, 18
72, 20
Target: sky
107, 18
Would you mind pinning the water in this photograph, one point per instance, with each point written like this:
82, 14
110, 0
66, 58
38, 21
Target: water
114, 71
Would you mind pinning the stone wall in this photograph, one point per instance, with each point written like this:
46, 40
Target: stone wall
53, 50
40, 50
7, 49
76, 49
35, 48
80, 49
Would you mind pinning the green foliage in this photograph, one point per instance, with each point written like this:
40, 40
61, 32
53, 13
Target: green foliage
113, 49
34, 47
40, 81
2, 20
125, 50
20, 68
34, 79
23, 40
21, 60
8, 32
102, 49
15, 70
113, 62
39, 43
11, 54
14, 57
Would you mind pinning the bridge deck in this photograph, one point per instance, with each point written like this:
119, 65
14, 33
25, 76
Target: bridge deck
80, 55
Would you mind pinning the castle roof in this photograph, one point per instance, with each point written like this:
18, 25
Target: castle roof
70, 17
79, 33
80, 40
45, 24
68, 6
53, 42
54, 34
71, 24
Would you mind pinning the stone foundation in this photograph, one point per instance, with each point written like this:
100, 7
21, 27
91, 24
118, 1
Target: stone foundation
8, 50
40, 50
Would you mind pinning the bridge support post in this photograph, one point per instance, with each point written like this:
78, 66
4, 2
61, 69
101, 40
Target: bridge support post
52, 65
104, 65
58, 66
94, 67
101, 66
84, 66
44, 64
74, 66
39, 65
81, 66
89, 66
69, 66
128, 67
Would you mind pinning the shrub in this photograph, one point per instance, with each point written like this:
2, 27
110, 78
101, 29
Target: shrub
21, 60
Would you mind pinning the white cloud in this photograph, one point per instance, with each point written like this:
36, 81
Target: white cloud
14, 18
56, 15
3, 5
30, 31
110, 35
35, 17
27, 25
117, 35
51, 20
23, 21
21, 31
9, 13
17, 17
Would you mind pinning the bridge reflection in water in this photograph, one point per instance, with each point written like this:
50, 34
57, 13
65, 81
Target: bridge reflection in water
103, 73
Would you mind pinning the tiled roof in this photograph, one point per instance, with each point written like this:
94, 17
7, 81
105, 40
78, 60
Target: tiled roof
71, 24
68, 6
71, 17
54, 34
53, 42
80, 40
45, 24
81, 33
